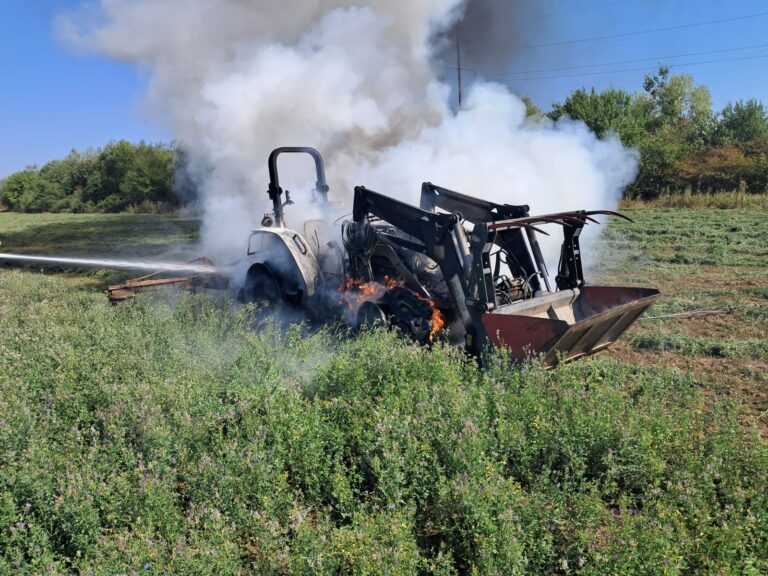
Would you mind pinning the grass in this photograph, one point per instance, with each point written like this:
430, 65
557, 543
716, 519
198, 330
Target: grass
183, 435
97, 235
733, 238
689, 199
699, 346
700, 260
104, 235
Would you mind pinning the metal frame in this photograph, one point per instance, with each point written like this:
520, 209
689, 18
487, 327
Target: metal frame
276, 192
465, 263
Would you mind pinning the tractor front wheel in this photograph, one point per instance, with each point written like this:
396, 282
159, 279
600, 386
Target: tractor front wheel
369, 315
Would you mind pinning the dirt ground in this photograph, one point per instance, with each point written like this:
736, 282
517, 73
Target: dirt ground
702, 261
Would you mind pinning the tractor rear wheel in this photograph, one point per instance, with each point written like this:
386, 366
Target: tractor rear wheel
262, 287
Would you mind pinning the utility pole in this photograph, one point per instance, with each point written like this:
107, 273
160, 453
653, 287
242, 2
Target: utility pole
458, 64
459, 72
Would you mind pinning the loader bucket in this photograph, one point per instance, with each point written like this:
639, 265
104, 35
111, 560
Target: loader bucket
567, 324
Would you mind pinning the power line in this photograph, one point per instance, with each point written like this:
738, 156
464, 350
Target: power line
542, 15
641, 69
572, 10
618, 62
636, 33
650, 31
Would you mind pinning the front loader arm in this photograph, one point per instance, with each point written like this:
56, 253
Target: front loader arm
479, 211
473, 209
444, 240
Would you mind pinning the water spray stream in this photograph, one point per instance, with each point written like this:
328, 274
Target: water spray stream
113, 263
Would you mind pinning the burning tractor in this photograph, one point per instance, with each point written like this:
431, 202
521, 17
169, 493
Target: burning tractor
457, 262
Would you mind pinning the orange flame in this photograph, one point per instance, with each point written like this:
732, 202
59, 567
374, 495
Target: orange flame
367, 290
392, 283
438, 321
363, 291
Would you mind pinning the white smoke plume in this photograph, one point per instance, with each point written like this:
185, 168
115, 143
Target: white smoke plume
233, 79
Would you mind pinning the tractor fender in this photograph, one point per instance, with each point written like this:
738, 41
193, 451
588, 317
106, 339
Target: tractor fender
288, 257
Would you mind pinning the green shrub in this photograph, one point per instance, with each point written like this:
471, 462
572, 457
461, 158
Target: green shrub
111, 179
170, 436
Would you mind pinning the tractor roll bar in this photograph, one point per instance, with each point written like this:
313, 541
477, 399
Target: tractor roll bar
274, 190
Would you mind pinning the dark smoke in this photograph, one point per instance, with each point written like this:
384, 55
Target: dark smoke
492, 36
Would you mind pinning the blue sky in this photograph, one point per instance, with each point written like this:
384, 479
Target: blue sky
53, 99
566, 22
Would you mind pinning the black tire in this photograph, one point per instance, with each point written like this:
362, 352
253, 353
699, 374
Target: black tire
409, 313
262, 287
369, 315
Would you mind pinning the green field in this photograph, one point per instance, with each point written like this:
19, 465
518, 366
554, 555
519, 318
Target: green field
179, 435
701, 260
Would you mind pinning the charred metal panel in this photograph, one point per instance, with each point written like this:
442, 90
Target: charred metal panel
288, 256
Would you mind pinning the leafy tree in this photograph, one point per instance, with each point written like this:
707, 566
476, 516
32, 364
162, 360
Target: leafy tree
17, 186
724, 168
107, 180
610, 111
676, 98
531, 110
658, 153
743, 121
113, 163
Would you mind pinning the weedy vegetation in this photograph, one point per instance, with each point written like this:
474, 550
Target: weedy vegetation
183, 435
690, 199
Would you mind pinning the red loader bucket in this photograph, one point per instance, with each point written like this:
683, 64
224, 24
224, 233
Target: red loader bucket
567, 324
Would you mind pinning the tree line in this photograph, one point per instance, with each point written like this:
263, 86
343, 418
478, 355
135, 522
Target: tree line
118, 177
684, 146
